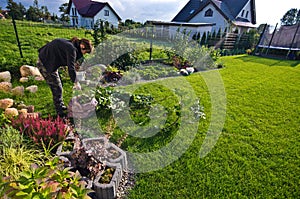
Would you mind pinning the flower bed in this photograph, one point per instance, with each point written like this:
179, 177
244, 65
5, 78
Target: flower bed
103, 150
99, 162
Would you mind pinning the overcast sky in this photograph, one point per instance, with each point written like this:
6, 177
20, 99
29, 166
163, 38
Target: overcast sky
267, 11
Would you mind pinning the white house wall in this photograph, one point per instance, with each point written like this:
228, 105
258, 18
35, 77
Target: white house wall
112, 18
87, 23
76, 20
217, 18
171, 30
190, 29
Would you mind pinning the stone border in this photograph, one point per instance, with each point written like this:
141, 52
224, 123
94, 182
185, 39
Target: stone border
108, 191
122, 159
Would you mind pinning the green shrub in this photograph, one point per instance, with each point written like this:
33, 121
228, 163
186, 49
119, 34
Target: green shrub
10, 137
16, 154
49, 181
3, 119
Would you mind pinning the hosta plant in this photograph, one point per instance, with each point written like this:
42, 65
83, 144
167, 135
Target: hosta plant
49, 181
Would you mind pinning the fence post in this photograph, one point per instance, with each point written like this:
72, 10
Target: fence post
261, 37
151, 41
17, 36
293, 40
272, 39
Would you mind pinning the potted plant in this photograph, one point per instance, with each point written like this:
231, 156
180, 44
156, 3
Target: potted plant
103, 150
107, 182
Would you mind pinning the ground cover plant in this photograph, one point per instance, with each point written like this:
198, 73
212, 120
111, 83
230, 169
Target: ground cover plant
256, 155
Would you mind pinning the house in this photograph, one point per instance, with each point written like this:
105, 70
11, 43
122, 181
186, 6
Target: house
85, 13
2, 16
170, 29
233, 15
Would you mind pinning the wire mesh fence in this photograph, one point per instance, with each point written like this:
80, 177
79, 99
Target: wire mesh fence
283, 37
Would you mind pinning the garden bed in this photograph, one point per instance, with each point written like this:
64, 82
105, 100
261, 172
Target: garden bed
99, 162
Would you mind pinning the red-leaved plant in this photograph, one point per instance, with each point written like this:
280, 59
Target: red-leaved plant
42, 131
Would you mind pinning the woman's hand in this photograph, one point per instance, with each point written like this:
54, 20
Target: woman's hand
77, 86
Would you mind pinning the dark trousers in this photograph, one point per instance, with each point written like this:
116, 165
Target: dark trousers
54, 82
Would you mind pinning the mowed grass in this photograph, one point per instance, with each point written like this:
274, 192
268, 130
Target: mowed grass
257, 154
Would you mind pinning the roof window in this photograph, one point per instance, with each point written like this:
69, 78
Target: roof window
209, 13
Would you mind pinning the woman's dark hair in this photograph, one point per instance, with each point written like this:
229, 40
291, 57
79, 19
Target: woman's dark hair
87, 43
75, 41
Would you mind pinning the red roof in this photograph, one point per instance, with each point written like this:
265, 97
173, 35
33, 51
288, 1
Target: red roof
89, 8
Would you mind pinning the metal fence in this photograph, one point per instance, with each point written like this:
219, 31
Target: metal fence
281, 38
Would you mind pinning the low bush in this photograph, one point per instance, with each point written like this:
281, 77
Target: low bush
49, 181
42, 131
17, 156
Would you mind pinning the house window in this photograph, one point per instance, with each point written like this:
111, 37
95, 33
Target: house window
106, 12
209, 13
247, 13
243, 12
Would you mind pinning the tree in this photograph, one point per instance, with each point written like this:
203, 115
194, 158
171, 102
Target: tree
33, 14
63, 9
45, 13
203, 39
15, 10
291, 17
36, 4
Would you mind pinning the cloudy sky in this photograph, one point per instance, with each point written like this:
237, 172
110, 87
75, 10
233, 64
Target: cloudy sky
268, 11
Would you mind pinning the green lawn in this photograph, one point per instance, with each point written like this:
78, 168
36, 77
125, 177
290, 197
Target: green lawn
257, 154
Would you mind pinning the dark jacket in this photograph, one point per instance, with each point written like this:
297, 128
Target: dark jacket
60, 52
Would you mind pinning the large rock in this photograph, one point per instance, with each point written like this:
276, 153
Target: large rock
24, 79
32, 89
34, 115
6, 103
5, 76
18, 91
11, 112
27, 71
5, 87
